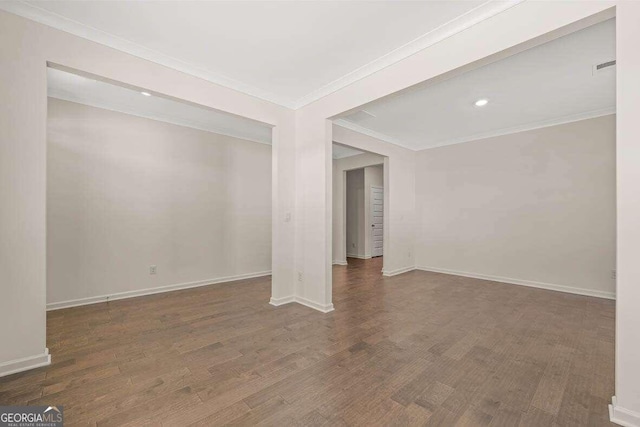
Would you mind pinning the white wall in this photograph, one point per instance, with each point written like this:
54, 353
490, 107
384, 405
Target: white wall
535, 206
125, 193
22, 201
355, 213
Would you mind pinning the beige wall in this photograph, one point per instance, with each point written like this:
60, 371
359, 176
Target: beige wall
125, 193
535, 206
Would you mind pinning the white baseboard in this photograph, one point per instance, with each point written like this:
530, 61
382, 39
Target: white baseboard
24, 364
282, 301
622, 416
358, 256
339, 262
151, 291
529, 283
389, 273
324, 308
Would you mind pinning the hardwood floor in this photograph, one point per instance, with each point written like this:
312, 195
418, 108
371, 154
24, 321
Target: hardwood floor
416, 349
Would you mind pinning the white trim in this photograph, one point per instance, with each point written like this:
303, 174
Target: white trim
325, 308
339, 262
151, 291
479, 136
622, 416
485, 11
390, 273
282, 301
358, 256
527, 127
372, 133
59, 22
370, 224
529, 283
25, 363
156, 118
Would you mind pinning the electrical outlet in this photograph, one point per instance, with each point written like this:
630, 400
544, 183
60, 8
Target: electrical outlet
299, 276
153, 269
613, 274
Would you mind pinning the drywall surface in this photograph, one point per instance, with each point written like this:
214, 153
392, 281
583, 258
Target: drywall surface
535, 206
125, 193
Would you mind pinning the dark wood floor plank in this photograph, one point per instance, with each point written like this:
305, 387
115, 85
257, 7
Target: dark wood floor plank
415, 349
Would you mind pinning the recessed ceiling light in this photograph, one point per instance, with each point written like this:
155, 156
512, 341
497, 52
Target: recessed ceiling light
481, 102
145, 93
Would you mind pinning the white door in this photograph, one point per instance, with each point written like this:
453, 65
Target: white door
376, 212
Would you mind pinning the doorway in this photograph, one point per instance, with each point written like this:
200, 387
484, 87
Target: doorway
358, 204
149, 194
364, 208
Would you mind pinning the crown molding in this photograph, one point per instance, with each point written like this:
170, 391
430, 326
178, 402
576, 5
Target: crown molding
59, 22
479, 136
158, 118
485, 11
480, 13
372, 133
525, 127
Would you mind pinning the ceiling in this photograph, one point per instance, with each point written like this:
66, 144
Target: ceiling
342, 151
75, 88
295, 52
290, 53
83, 90
549, 84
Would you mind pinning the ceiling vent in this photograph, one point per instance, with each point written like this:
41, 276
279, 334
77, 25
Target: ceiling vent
359, 116
604, 66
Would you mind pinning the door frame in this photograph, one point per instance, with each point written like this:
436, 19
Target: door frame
371, 228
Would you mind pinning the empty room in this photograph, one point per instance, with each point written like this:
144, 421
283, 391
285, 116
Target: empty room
320, 213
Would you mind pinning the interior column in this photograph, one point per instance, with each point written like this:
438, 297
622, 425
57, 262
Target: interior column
314, 211
626, 404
